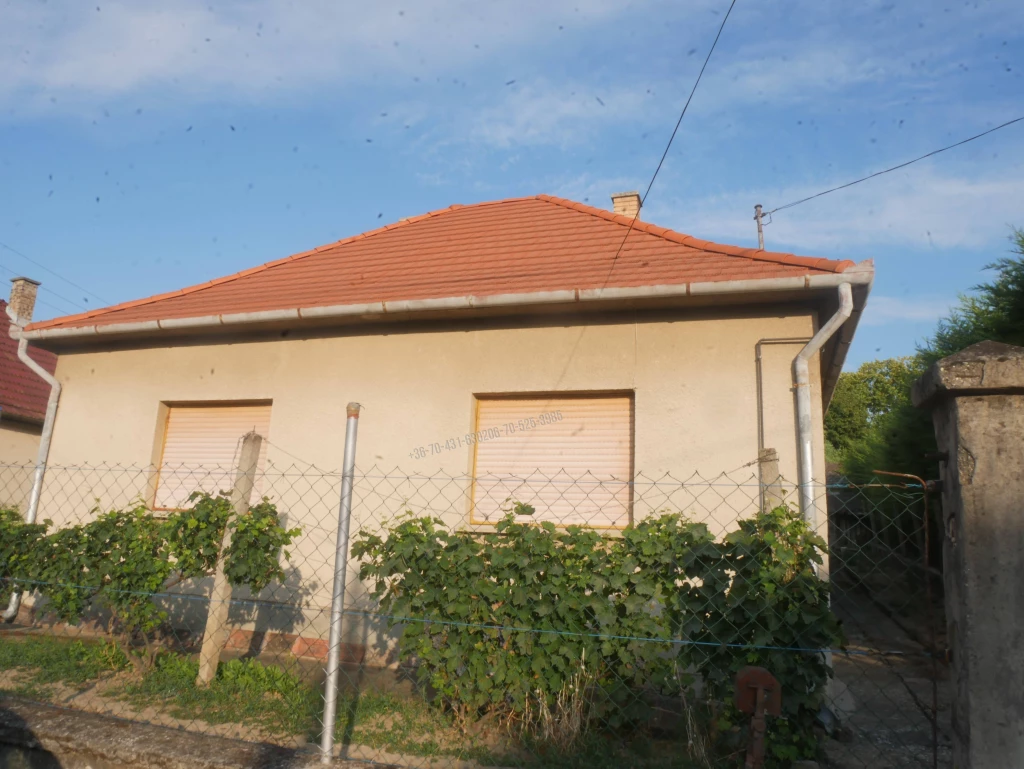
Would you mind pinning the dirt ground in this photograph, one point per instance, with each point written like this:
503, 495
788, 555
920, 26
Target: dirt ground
884, 702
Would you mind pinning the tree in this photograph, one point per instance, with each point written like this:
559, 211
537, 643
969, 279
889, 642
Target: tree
863, 399
996, 312
875, 425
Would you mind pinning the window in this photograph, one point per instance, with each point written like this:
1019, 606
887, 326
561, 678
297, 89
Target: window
201, 448
570, 457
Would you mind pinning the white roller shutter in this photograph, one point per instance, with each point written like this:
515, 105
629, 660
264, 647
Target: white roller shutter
569, 457
201, 449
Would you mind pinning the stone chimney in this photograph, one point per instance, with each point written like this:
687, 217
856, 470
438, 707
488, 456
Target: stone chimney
23, 297
626, 203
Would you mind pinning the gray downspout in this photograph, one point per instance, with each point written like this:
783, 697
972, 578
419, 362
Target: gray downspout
44, 440
802, 382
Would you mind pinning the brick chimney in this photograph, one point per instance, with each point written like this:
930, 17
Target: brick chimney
626, 203
23, 297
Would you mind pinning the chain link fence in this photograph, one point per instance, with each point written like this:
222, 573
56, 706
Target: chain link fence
540, 619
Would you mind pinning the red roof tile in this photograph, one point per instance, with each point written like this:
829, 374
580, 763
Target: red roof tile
521, 245
22, 393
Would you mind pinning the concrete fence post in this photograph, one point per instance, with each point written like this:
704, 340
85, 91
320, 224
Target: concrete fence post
216, 634
976, 398
769, 479
340, 573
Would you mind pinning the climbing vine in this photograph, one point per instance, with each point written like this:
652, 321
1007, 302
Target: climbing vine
121, 560
507, 622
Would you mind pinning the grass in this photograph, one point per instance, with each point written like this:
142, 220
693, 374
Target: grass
280, 704
56, 660
404, 725
243, 692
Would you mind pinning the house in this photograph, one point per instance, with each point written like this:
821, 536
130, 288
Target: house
23, 395
533, 337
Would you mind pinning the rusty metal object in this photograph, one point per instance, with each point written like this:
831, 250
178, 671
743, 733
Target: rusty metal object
758, 693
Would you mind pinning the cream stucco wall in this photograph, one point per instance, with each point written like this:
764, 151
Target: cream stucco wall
693, 376
19, 443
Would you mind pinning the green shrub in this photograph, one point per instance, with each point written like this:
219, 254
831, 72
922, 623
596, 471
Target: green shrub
774, 614
121, 559
504, 622
512, 614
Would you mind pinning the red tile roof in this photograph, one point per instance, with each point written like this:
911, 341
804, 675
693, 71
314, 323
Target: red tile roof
521, 245
22, 393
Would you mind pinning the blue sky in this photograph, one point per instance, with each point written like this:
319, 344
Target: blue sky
145, 147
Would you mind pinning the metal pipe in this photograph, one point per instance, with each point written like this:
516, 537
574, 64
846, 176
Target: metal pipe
802, 382
340, 573
859, 274
44, 440
760, 379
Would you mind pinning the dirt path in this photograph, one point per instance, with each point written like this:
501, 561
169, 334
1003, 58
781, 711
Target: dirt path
884, 701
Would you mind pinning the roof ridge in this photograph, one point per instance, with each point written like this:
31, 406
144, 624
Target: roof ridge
820, 264
776, 257
63, 319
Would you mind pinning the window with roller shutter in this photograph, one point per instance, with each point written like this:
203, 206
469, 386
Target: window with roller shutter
201, 448
570, 457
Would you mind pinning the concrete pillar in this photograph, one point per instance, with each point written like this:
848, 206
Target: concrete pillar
977, 402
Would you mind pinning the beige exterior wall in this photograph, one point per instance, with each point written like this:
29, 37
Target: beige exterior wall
694, 379
19, 443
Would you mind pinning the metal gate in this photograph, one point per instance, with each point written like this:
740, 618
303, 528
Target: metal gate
891, 692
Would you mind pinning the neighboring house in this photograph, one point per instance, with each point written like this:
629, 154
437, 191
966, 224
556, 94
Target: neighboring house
657, 353
23, 397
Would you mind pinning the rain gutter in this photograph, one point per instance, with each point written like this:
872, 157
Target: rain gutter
861, 274
802, 382
44, 440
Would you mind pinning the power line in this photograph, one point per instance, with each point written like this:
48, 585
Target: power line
673, 136
54, 307
57, 275
894, 168
611, 267
75, 305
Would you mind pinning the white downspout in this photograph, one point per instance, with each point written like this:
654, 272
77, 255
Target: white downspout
802, 381
44, 440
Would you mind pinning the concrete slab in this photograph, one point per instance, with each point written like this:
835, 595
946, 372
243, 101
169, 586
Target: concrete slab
41, 736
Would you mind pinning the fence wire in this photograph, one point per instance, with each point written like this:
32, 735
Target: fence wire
538, 619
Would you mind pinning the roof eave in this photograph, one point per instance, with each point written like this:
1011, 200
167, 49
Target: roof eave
859, 275
8, 415
831, 369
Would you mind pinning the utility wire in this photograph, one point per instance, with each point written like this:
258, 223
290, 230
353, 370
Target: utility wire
74, 305
611, 267
55, 274
894, 168
55, 308
673, 136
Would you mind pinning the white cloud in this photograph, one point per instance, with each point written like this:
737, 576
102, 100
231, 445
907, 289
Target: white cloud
541, 113
883, 310
76, 54
799, 74
571, 111
918, 207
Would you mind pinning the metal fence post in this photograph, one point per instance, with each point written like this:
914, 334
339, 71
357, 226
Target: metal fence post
340, 573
